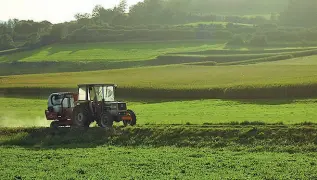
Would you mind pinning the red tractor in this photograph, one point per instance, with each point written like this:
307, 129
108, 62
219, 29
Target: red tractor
92, 103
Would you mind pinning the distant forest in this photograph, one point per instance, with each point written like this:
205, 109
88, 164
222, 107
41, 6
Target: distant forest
254, 22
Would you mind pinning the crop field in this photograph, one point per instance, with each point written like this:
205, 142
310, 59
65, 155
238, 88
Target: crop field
109, 51
216, 22
60, 58
30, 112
239, 104
289, 78
183, 77
154, 163
203, 111
161, 152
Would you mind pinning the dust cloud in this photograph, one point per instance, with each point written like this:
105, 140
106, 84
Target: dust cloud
15, 121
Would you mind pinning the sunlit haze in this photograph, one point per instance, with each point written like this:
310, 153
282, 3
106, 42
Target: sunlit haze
54, 11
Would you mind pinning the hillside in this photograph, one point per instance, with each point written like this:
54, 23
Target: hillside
121, 51
220, 89
199, 80
240, 7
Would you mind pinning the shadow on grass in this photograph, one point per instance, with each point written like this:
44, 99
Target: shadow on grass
266, 101
295, 91
22, 54
236, 50
212, 136
281, 94
16, 68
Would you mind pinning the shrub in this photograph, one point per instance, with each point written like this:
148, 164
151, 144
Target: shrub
222, 34
6, 42
258, 40
83, 35
236, 40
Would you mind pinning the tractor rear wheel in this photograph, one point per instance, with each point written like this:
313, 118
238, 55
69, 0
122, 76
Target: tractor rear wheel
106, 120
54, 124
81, 116
133, 117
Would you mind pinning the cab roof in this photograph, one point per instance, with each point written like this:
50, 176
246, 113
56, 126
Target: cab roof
81, 85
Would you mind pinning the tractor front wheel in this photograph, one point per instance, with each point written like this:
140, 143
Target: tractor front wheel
133, 119
81, 116
106, 120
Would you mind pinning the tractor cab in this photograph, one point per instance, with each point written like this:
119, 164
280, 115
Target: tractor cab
96, 92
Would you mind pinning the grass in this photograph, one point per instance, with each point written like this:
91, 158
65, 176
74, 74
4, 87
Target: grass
17, 112
311, 60
153, 163
219, 139
104, 56
269, 80
108, 51
196, 24
206, 57
250, 51
160, 152
225, 111
177, 77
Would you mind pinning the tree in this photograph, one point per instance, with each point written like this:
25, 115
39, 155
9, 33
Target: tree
300, 13
101, 16
6, 42
4, 29
274, 17
33, 40
25, 27
236, 40
258, 40
122, 7
119, 17
97, 11
83, 18
58, 32
148, 12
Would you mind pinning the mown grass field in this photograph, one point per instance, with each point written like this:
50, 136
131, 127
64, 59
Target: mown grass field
258, 80
153, 163
131, 51
160, 152
180, 76
105, 56
109, 51
216, 22
175, 138
30, 112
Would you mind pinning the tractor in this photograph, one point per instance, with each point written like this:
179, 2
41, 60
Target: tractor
92, 103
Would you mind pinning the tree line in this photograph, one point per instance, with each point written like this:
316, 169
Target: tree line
165, 20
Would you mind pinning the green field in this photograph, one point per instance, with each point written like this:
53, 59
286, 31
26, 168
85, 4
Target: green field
109, 51
160, 152
216, 22
153, 163
290, 78
30, 112
183, 76
205, 109
196, 118
60, 58
310, 60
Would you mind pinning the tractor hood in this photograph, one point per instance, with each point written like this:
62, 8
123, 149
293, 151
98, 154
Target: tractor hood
116, 105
